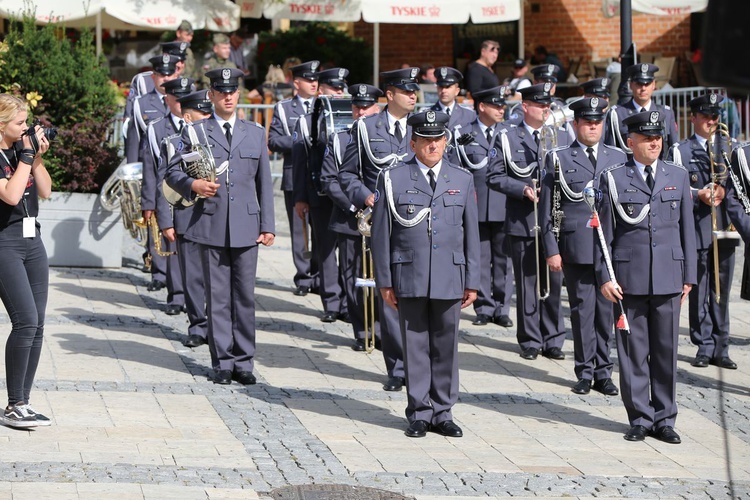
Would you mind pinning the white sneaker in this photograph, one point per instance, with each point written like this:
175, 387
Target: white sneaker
41, 420
17, 416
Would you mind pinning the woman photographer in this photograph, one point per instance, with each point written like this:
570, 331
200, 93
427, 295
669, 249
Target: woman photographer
24, 272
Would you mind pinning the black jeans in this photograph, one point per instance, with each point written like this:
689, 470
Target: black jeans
24, 285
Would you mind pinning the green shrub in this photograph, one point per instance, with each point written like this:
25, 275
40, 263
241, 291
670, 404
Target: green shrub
321, 41
75, 95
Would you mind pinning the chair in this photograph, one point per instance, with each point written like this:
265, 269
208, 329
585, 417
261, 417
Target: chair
574, 66
666, 68
598, 69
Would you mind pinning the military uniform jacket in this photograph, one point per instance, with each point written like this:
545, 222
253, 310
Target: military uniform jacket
304, 189
146, 108
459, 115
503, 177
167, 215
243, 205
284, 120
576, 240
418, 262
657, 255
157, 130
735, 207
140, 84
694, 158
343, 219
382, 145
671, 136
474, 157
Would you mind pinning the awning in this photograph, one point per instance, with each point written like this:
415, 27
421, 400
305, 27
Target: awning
611, 8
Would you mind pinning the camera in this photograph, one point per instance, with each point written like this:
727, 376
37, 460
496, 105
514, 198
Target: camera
49, 132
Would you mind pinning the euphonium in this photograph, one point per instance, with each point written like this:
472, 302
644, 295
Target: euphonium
123, 188
720, 171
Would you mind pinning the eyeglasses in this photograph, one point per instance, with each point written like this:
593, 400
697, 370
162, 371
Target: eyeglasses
494, 49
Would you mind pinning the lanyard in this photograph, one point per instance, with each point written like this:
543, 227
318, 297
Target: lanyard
23, 200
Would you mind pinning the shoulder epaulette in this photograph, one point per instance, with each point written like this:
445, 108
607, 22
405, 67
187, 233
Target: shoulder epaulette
675, 165
614, 167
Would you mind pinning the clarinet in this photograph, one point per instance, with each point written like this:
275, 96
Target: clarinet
557, 213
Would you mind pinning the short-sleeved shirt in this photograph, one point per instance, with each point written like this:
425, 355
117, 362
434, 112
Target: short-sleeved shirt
10, 215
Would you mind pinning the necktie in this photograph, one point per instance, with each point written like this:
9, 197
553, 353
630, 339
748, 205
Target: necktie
433, 182
592, 158
489, 135
536, 137
228, 133
448, 111
649, 177
180, 125
397, 133
307, 106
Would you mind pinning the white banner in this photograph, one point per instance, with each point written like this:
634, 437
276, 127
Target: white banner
415, 11
611, 8
315, 10
494, 11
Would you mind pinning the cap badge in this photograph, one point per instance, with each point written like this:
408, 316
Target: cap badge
605, 82
414, 72
314, 66
430, 116
342, 73
551, 69
654, 117
363, 90
443, 72
712, 98
184, 83
226, 74
644, 68
183, 46
547, 86
165, 58
594, 102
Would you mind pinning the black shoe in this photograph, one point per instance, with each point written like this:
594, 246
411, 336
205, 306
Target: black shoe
553, 353
530, 353
155, 286
301, 291
448, 428
394, 384
344, 317
724, 362
482, 319
194, 341
244, 378
667, 434
417, 429
172, 310
606, 387
223, 377
329, 317
701, 361
503, 320
636, 433
583, 386
359, 345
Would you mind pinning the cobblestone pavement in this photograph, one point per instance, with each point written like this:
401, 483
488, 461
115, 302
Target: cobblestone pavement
135, 416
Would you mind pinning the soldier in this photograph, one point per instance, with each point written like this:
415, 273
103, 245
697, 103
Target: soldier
709, 320
379, 141
545, 73
448, 87
471, 150
233, 216
147, 107
642, 84
184, 34
425, 244
178, 49
219, 58
514, 162
158, 130
598, 87
174, 220
285, 116
343, 216
310, 198
569, 242
647, 218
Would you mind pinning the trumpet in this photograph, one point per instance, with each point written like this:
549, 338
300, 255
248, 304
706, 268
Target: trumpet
720, 171
367, 281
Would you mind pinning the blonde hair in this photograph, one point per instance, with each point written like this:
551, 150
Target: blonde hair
10, 106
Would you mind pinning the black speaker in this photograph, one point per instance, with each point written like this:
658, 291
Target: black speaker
726, 38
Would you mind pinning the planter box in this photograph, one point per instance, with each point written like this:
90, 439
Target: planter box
78, 232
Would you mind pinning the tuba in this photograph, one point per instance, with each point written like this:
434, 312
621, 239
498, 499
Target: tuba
198, 162
123, 189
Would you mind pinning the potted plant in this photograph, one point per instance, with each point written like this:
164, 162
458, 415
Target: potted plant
67, 87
